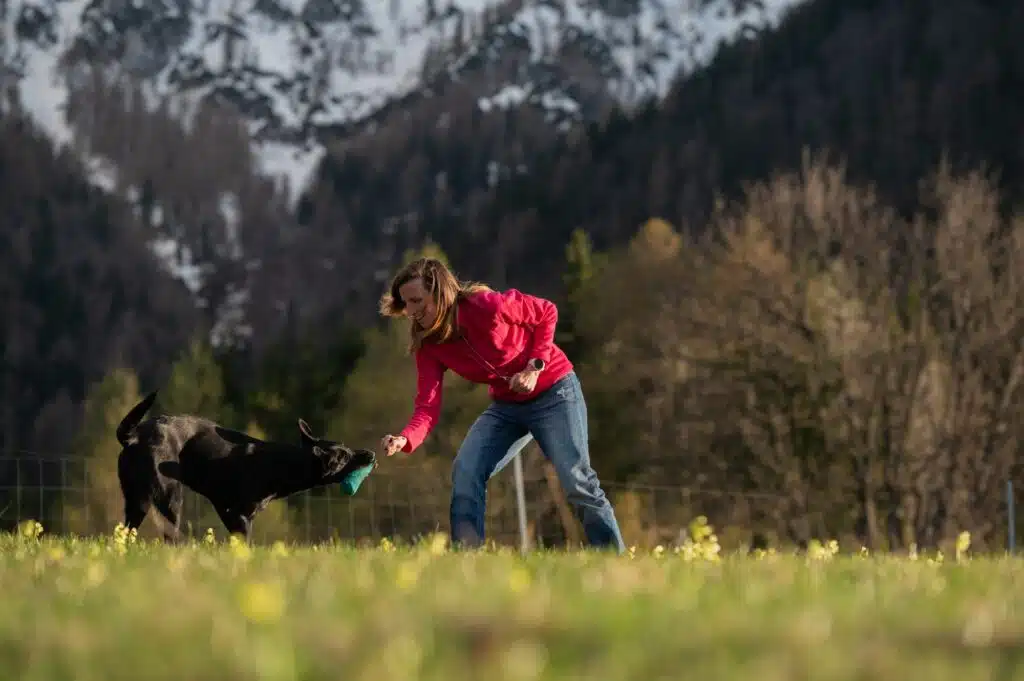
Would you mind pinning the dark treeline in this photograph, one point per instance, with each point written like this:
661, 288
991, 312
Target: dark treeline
833, 348
81, 292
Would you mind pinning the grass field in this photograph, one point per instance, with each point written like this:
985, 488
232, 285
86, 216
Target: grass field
112, 609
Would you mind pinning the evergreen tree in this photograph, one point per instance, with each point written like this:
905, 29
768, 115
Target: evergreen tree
582, 265
196, 385
301, 378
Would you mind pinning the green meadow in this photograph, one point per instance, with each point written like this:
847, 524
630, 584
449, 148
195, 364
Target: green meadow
112, 608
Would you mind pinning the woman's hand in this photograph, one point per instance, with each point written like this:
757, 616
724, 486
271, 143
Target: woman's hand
525, 381
392, 443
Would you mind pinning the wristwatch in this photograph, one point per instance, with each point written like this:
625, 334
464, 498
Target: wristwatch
536, 364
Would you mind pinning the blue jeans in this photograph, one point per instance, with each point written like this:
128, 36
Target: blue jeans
557, 418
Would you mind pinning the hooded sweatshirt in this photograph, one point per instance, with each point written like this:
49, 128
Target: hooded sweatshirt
498, 334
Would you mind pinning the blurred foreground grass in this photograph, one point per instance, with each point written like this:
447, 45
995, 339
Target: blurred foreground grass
112, 609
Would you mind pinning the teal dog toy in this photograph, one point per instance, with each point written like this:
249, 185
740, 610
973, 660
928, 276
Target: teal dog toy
351, 482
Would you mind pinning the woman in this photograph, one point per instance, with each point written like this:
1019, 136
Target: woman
505, 340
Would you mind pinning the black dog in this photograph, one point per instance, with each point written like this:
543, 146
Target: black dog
238, 473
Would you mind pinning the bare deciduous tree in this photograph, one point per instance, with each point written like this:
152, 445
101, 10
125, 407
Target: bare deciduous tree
862, 366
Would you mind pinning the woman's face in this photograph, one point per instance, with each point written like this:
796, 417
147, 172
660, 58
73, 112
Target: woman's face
419, 304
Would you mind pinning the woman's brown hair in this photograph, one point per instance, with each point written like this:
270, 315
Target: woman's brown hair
442, 285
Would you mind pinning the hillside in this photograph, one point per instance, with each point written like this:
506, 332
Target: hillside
210, 117
889, 87
81, 292
301, 72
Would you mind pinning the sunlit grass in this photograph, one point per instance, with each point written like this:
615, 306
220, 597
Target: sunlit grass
120, 608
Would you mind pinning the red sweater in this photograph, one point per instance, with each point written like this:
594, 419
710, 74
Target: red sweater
501, 332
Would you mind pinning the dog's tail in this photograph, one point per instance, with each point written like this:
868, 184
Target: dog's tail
126, 429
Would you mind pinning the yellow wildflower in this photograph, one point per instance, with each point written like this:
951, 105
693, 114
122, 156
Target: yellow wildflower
239, 548
407, 576
963, 542
261, 602
438, 543
518, 580
30, 529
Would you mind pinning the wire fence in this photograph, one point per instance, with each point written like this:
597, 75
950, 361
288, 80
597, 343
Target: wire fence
72, 495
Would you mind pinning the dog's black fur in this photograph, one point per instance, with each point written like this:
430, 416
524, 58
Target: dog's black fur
238, 473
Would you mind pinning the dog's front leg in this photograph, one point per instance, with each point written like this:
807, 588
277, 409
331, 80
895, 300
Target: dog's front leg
235, 522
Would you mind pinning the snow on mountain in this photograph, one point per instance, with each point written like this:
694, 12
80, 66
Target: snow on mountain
298, 68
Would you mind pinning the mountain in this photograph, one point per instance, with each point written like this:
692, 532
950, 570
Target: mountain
889, 88
304, 71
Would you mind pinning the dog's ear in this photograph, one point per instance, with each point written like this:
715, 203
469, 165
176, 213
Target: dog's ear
307, 436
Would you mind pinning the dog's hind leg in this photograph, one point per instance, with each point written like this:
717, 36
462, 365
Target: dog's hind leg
169, 504
135, 511
135, 489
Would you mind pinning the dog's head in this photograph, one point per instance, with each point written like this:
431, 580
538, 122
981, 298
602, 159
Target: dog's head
334, 460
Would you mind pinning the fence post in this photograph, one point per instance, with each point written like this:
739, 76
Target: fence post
517, 468
1011, 517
